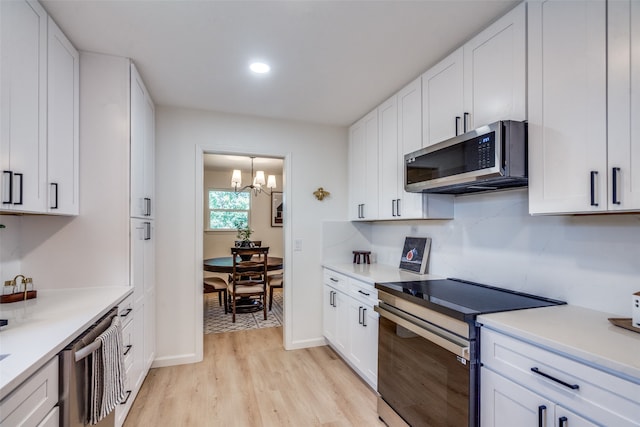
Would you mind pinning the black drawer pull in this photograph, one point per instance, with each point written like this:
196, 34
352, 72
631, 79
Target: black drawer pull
539, 372
363, 293
126, 312
333, 279
128, 349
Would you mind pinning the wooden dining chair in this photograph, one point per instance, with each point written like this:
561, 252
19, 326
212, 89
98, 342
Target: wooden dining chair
218, 285
274, 281
249, 278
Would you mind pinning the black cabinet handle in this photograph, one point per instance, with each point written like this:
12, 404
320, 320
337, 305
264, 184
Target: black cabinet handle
364, 317
360, 315
147, 231
362, 207
465, 123
593, 188
128, 349
124, 402
363, 292
54, 186
126, 312
541, 410
397, 207
10, 187
333, 279
457, 125
393, 207
21, 188
614, 185
539, 372
562, 421
147, 206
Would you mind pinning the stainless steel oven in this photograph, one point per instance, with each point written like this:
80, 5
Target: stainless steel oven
425, 371
428, 349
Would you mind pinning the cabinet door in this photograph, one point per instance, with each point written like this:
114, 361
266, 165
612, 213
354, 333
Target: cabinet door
370, 208
357, 169
23, 82
624, 105
142, 148
408, 205
442, 100
149, 344
357, 338
329, 314
504, 403
567, 418
141, 263
567, 107
62, 128
370, 341
495, 71
389, 165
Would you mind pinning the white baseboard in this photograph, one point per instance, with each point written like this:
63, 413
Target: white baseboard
314, 342
182, 359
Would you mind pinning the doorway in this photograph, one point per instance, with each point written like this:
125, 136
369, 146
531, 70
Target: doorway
233, 198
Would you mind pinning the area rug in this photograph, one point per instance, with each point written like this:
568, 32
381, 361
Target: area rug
215, 321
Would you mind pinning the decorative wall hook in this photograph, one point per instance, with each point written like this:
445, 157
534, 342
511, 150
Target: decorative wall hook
320, 193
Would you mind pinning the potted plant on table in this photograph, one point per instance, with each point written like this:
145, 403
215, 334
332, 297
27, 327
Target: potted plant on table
244, 233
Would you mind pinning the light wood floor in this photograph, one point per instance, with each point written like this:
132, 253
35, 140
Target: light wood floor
248, 379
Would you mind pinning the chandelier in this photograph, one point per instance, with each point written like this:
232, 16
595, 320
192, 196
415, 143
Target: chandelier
257, 186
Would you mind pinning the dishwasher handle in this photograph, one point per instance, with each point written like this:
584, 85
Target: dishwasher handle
441, 337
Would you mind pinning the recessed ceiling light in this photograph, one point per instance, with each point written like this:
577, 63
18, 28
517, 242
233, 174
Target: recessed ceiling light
259, 67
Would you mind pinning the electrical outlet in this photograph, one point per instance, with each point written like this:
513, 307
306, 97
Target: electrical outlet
297, 245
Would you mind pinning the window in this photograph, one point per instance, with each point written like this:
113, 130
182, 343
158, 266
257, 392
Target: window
228, 208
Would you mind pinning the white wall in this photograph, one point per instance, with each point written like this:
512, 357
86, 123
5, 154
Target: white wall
590, 261
314, 156
10, 249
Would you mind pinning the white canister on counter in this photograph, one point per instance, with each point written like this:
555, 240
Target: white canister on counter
635, 310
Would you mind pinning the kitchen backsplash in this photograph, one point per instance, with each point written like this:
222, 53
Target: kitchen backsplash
590, 261
10, 254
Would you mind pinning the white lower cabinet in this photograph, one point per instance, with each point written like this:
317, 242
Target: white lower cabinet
523, 384
33, 401
350, 324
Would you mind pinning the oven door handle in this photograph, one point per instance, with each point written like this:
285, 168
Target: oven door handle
438, 336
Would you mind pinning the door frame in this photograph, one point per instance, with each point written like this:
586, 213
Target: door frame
286, 237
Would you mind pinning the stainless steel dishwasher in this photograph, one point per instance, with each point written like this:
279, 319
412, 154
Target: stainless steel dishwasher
75, 361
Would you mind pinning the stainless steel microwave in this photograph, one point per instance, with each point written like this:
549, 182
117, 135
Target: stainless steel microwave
491, 157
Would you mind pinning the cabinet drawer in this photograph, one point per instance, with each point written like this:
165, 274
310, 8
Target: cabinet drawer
125, 310
363, 292
127, 343
600, 396
30, 403
335, 280
52, 419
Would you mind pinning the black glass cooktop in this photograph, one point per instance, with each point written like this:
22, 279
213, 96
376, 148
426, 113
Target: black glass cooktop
462, 299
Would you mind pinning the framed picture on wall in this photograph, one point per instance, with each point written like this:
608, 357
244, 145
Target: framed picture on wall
415, 254
276, 209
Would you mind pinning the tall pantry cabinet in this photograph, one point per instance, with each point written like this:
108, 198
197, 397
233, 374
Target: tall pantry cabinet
118, 129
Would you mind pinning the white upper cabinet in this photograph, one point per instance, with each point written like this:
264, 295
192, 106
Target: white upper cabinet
23, 120
623, 73
363, 168
495, 72
568, 168
142, 149
481, 82
62, 124
443, 100
389, 164
39, 100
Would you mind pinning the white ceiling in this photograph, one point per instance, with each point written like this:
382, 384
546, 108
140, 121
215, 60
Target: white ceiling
332, 61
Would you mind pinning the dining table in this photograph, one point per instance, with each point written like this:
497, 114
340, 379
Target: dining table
225, 265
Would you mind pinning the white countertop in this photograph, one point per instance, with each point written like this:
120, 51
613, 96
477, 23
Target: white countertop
39, 328
377, 273
579, 333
